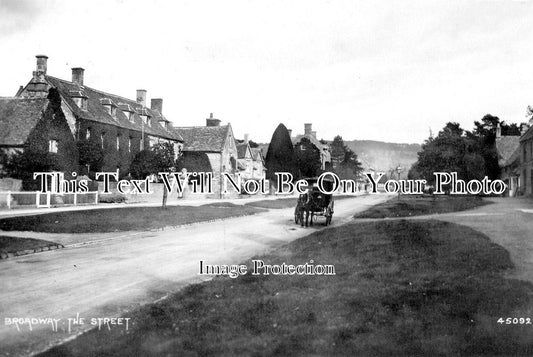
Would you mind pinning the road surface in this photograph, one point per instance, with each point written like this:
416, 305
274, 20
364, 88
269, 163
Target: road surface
124, 270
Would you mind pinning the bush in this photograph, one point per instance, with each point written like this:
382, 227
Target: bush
112, 198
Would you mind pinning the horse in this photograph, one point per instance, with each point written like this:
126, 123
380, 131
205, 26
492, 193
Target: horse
308, 206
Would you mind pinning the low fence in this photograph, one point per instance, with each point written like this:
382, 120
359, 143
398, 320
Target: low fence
37, 199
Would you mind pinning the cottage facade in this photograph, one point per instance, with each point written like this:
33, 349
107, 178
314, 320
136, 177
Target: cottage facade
250, 161
120, 126
508, 148
215, 141
325, 154
38, 126
526, 160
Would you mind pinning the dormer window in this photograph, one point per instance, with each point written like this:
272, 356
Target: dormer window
109, 106
127, 110
79, 98
164, 124
145, 116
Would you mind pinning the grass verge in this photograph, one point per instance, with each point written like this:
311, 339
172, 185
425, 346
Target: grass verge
408, 206
123, 219
401, 288
15, 244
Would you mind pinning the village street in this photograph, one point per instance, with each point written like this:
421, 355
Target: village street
123, 270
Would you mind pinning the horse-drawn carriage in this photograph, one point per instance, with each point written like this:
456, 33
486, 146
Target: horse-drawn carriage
314, 203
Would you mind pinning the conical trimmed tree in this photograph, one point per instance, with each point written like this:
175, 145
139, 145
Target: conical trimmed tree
280, 155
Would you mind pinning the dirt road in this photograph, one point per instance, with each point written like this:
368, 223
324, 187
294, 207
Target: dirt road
110, 278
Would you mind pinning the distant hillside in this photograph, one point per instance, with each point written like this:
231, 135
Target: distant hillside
379, 155
383, 156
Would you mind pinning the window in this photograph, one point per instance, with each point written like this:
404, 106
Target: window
88, 133
118, 142
102, 137
52, 146
129, 144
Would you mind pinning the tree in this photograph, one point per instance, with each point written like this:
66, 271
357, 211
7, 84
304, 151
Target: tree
350, 167
307, 158
338, 151
280, 155
91, 155
344, 161
159, 158
452, 150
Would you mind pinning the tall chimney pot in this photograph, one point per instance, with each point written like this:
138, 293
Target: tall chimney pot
77, 75
308, 128
141, 97
212, 121
246, 136
42, 63
157, 104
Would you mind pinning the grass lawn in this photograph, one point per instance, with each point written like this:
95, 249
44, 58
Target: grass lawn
123, 219
14, 244
401, 288
408, 206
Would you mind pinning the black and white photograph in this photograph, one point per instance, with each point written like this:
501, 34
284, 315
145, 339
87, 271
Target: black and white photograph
266, 178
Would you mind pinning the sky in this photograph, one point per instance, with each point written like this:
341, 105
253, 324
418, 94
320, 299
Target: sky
387, 70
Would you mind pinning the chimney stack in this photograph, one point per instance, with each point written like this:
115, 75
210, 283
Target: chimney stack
314, 134
42, 63
212, 121
157, 104
523, 129
77, 75
308, 129
141, 97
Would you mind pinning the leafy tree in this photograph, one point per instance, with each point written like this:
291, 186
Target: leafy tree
159, 158
280, 155
350, 167
344, 160
451, 150
91, 155
338, 151
307, 158
143, 164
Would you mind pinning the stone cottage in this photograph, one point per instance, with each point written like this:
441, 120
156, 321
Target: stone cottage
120, 126
214, 141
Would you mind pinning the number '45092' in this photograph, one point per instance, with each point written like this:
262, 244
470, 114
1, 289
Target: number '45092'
515, 321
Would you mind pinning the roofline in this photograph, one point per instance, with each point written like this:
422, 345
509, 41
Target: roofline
115, 125
97, 90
